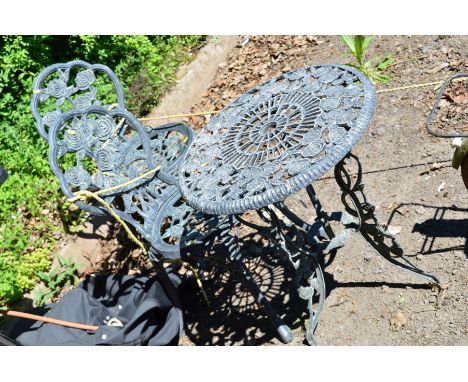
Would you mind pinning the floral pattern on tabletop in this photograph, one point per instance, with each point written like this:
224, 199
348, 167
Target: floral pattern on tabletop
272, 134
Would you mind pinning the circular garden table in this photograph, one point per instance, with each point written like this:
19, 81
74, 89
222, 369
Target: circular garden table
277, 139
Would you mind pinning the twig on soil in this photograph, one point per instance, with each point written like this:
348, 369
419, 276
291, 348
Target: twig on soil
434, 167
425, 311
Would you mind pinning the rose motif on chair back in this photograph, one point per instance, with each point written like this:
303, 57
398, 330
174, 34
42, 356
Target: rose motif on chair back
64, 87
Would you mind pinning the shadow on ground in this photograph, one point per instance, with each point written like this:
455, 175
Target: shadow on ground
439, 227
233, 316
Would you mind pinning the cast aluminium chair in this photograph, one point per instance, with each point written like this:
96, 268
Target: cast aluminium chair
95, 143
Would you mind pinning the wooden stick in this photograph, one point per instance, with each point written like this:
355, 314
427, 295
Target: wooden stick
48, 320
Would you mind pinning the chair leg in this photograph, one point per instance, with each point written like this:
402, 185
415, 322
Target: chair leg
172, 292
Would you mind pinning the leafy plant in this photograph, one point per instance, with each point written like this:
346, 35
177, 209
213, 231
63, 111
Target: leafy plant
62, 277
18, 274
374, 67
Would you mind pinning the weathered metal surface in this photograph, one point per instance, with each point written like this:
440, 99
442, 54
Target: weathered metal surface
276, 139
271, 142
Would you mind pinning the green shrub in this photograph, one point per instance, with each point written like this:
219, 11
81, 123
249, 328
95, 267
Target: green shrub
16, 272
146, 66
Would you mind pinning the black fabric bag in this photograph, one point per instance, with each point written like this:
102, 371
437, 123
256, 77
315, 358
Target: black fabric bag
140, 305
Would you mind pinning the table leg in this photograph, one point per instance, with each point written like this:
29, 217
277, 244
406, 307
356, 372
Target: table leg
321, 226
319, 235
309, 277
321, 214
233, 261
379, 238
311, 283
285, 334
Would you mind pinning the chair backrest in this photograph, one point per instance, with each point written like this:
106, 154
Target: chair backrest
97, 148
74, 85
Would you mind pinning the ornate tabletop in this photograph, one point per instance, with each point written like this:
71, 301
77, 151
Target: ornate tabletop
276, 138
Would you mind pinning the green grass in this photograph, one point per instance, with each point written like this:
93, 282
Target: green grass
146, 66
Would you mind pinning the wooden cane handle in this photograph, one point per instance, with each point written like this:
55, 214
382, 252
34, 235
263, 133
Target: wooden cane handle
49, 320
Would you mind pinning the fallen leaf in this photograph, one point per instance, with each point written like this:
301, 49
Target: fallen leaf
197, 121
444, 102
459, 95
391, 206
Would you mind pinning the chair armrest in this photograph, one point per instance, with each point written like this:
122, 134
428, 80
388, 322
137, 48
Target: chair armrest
169, 144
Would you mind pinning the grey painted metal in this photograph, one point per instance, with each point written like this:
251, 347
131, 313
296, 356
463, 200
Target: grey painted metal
269, 143
93, 146
110, 147
298, 251
276, 139
232, 259
55, 83
384, 243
